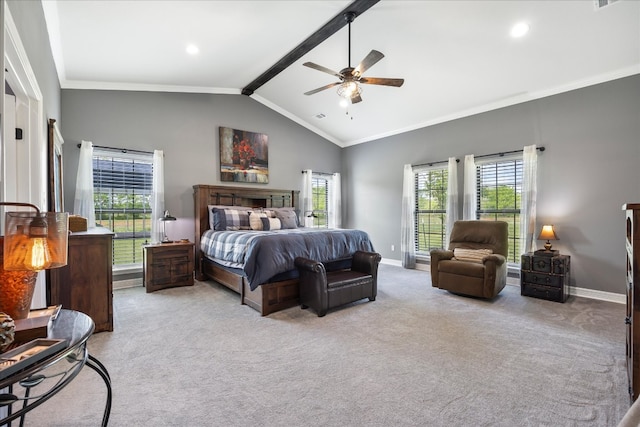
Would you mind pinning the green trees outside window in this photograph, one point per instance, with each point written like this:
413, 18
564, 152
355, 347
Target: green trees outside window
122, 200
431, 209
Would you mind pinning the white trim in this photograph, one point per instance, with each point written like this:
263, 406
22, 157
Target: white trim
20, 76
394, 262
142, 87
599, 295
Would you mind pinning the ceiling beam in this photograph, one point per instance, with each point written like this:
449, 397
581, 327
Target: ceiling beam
326, 31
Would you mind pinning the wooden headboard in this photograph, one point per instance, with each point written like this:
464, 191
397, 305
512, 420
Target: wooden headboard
205, 195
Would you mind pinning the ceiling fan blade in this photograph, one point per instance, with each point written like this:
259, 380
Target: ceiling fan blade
381, 81
323, 69
373, 57
356, 98
311, 92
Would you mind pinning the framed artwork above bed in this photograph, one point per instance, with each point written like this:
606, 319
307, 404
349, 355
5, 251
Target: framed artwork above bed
244, 156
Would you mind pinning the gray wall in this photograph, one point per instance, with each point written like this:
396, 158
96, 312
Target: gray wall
29, 19
590, 168
185, 126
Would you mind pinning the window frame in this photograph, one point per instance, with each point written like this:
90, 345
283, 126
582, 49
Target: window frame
442, 212
320, 216
485, 213
137, 198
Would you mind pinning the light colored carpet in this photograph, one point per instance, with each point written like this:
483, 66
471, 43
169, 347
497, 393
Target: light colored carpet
418, 355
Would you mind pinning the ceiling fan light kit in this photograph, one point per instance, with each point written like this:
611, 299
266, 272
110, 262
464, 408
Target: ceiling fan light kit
351, 78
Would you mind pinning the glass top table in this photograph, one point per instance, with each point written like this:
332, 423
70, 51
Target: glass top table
38, 382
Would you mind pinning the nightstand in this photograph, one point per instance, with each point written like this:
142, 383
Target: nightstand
168, 265
544, 276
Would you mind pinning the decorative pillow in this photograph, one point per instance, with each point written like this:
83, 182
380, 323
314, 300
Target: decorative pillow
271, 224
255, 220
230, 219
471, 255
289, 219
289, 212
217, 221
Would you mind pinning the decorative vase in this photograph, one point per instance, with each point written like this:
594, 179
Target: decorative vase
16, 289
244, 163
7, 331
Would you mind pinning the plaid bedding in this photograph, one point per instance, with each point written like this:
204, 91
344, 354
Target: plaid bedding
263, 254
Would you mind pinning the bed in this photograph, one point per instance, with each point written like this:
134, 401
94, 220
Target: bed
280, 290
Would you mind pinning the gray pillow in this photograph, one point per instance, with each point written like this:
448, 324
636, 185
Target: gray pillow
288, 218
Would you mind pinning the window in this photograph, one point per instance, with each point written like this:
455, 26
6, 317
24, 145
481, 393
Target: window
499, 186
320, 200
431, 209
122, 185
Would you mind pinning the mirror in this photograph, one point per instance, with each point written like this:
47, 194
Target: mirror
56, 199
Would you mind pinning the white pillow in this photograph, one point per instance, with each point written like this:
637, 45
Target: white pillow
255, 220
471, 255
271, 224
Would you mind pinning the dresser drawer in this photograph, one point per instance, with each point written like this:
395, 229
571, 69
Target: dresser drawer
544, 292
542, 279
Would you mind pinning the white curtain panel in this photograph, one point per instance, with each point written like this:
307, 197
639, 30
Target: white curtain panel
335, 203
528, 199
83, 201
470, 190
407, 227
452, 198
306, 194
157, 196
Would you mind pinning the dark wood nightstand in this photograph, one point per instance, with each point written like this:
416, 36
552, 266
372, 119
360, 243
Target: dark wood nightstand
544, 276
168, 265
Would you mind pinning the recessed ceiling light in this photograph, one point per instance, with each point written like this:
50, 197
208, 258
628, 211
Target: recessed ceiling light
520, 29
192, 49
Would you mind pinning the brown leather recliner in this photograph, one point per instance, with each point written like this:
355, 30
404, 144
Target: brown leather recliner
322, 290
483, 278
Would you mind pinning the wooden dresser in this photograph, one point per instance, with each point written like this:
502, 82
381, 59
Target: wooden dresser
632, 244
85, 283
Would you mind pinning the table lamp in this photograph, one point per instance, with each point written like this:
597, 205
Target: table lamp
548, 233
164, 219
33, 241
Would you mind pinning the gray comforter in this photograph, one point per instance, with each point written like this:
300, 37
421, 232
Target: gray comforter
263, 254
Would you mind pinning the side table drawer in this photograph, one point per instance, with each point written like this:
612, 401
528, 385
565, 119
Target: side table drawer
542, 279
541, 291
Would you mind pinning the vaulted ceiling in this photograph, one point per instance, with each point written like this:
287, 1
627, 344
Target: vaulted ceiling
457, 57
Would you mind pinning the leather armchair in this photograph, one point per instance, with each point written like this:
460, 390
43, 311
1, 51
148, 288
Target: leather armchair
485, 278
321, 289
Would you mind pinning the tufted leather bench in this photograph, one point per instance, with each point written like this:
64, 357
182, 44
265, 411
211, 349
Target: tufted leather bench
321, 289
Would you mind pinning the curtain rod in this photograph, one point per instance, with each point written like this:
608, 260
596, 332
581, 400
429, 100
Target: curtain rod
501, 154
122, 150
434, 163
319, 173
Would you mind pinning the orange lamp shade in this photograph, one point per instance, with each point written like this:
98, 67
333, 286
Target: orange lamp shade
548, 233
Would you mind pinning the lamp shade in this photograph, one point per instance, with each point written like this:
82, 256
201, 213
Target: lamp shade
35, 240
548, 233
167, 217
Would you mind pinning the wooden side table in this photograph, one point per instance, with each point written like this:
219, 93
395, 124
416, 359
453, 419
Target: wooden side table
168, 265
544, 276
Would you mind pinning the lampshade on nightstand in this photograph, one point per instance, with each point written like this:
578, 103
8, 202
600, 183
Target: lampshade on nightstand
164, 219
548, 233
33, 241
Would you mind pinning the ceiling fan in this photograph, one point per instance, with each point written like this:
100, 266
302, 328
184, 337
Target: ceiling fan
348, 86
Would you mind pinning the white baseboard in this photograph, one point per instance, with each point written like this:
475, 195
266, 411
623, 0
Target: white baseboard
579, 292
